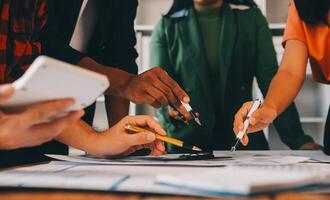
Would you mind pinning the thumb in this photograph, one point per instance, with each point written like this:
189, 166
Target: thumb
258, 116
262, 115
140, 138
6, 91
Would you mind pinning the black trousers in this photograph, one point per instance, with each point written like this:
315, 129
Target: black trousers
327, 135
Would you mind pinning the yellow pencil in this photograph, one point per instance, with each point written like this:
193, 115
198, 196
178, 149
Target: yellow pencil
167, 139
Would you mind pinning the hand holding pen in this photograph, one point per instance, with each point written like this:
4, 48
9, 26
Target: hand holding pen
259, 120
244, 127
177, 116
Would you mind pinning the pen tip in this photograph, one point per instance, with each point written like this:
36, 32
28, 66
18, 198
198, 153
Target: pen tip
196, 148
198, 121
232, 149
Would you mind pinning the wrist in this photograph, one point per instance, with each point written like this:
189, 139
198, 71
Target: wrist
271, 107
119, 80
93, 146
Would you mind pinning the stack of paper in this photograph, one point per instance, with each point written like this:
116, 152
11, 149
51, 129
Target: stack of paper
249, 180
220, 160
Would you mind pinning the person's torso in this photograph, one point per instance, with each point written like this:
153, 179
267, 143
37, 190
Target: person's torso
190, 68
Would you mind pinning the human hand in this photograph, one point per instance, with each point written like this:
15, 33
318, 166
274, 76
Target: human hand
155, 87
33, 126
118, 142
177, 116
311, 146
259, 120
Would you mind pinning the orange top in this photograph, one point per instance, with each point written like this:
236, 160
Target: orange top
317, 39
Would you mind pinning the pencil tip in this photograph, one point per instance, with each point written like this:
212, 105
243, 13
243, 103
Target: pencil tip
198, 121
196, 148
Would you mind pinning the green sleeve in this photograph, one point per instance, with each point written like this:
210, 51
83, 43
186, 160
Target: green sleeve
159, 51
288, 123
159, 56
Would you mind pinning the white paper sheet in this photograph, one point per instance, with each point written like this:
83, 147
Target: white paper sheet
68, 175
59, 176
248, 180
218, 161
108, 175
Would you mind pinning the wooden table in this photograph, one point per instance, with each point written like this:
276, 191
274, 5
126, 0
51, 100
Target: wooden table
35, 195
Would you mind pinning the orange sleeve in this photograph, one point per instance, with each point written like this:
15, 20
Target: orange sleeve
294, 28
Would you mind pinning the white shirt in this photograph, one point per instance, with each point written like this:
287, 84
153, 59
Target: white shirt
85, 26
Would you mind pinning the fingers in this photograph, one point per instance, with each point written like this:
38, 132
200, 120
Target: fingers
145, 121
241, 116
176, 89
48, 131
165, 90
245, 140
158, 95
6, 91
174, 93
151, 101
172, 113
257, 127
44, 111
160, 145
261, 116
140, 138
180, 108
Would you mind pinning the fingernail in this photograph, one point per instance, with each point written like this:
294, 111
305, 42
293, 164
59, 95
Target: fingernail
186, 99
5, 89
151, 137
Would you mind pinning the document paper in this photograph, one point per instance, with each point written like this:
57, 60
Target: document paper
249, 180
220, 160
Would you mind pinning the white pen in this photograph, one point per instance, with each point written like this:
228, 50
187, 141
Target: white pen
191, 112
255, 106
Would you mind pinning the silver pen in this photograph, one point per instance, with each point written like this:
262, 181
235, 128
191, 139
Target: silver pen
255, 106
191, 112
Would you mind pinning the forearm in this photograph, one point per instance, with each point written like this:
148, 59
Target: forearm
117, 108
283, 90
80, 136
289, 78
118, 78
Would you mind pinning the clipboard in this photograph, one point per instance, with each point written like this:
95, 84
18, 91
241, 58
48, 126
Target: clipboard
50, 79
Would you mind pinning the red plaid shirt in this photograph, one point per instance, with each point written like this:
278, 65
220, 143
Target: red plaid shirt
20, 23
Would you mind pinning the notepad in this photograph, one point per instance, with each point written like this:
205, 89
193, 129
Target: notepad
249, 180
50, 79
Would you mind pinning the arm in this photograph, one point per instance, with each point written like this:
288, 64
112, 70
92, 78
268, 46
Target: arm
120, 53
283, 89
153, 87
286, 83
288, 123
117, 108
290, 77
159, 56
116, 141
35, 125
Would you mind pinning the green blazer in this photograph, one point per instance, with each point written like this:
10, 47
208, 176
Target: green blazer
246, 51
